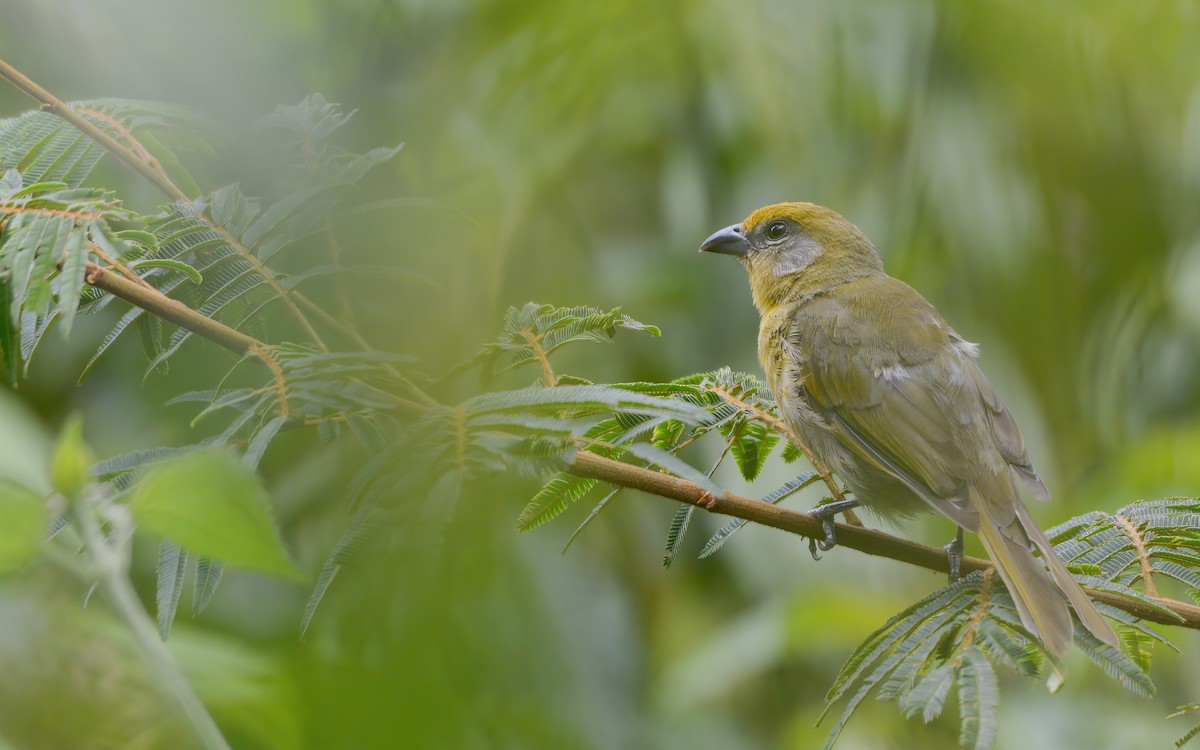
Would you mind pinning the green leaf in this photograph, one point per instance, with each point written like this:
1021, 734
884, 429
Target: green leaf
258, 445
172, 562
673, 464
752, 448
717, 540
23, 530
790, 453
555, 497
678, 530
212, 506
1116, 664
928, 695
359, 527
10, 336
71, 467
978, 696
70, 281
175, 265
604, 502
208, 575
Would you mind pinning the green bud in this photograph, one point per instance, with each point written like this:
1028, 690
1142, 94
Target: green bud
71, 468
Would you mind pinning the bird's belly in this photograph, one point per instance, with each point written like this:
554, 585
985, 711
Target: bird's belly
878, 491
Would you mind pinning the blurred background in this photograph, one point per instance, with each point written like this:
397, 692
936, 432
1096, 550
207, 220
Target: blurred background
1033, 168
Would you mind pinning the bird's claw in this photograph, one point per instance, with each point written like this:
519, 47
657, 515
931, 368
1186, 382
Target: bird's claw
826, 513
708, 501
954, 555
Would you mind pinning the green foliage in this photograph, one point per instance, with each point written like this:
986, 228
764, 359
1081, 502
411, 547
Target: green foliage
1167, 531
71, 465
717, 540
949, 637
1194, 731
49, 229
24, 528
533, 332
224, 254
44, 148
554, 497
210, 505
315, 156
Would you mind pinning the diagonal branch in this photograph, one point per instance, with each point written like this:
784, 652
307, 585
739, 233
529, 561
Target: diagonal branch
864, 540
153, 301
91, 130
140, 160
156, 303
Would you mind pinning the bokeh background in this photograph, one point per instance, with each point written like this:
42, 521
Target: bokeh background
1032, 167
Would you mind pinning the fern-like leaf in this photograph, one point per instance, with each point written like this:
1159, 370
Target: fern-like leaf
172, 562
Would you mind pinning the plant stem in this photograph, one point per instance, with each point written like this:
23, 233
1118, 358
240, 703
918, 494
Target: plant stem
153, 301
59, 107
134, 156
784, 429
118, 590
855, 537
535, 343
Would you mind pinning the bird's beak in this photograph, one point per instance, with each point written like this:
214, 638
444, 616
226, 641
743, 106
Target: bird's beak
728, 241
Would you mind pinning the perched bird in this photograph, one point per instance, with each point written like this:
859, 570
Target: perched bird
886, 395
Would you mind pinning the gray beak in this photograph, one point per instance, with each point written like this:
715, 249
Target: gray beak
728, 241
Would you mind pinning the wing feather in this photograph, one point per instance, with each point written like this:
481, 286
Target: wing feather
902, 389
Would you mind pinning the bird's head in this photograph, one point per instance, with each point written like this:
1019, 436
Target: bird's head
794, 250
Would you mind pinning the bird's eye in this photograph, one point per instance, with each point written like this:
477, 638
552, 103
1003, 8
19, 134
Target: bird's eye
776, 230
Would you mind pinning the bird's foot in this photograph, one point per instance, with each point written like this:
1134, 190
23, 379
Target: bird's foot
826, 513
954, 555
708, 501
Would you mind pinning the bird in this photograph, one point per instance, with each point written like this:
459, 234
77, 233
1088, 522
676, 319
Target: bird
883, 393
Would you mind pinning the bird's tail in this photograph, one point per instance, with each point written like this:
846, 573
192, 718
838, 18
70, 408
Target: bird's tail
1036, 592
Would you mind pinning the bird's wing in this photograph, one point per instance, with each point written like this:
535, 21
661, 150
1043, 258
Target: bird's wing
903, 391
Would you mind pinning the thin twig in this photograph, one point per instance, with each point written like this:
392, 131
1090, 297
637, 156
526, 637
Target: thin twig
153, 301
140, 151
123, 269
90, 129
152, 171
864, 540
788, 433
268, 276
59, 212
263, 352
1139, 547
981, 606
119, 592
535, 343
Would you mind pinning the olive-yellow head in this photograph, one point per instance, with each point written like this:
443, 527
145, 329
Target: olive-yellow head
796, 249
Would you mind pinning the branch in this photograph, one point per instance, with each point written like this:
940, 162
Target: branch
535, 343
1143, 558
783, 428
153, 301
60, 108
140, 160
864, 540
666, 486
